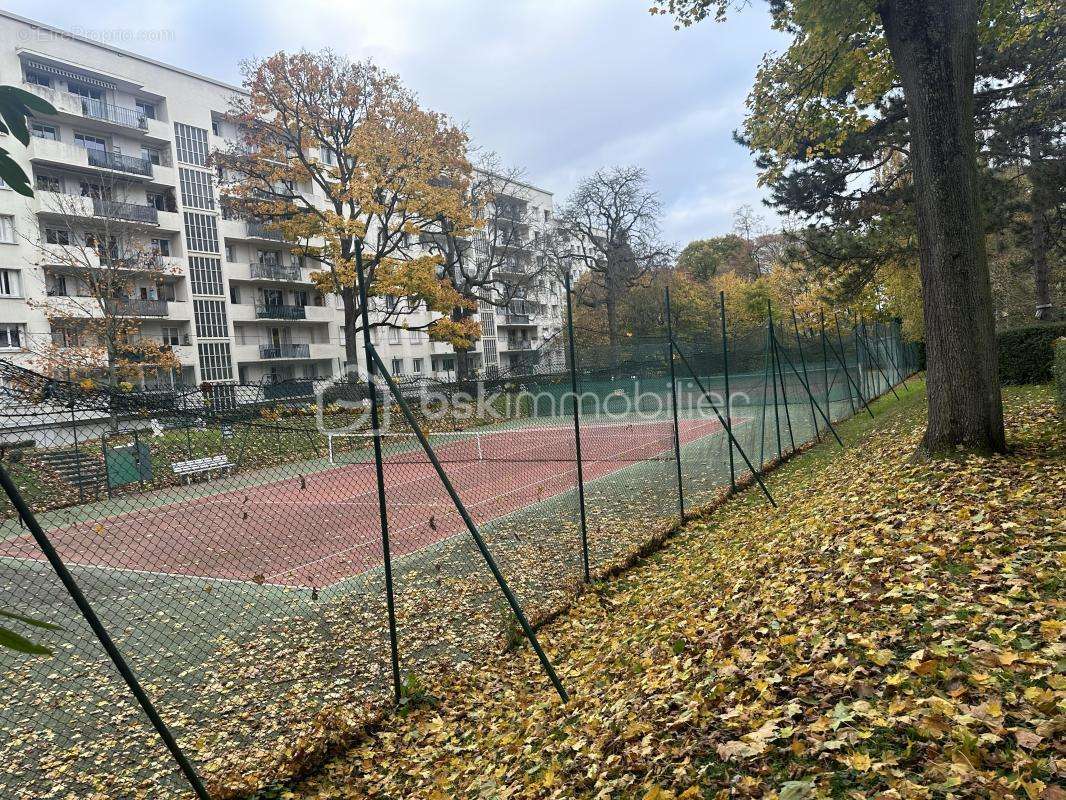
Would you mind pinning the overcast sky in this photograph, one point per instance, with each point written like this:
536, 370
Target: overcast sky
556, 87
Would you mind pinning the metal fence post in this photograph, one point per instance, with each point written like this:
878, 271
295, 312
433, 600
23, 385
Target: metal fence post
773, 376
673, 397
87, 611
577, 427
471, 526
781, 375
728, 395
371, 371
825, 362
762, 426
806, 378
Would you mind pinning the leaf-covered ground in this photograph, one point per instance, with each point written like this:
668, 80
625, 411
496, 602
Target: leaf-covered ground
895, 629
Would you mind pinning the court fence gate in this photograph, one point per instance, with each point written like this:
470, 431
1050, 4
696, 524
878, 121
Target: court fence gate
228, 591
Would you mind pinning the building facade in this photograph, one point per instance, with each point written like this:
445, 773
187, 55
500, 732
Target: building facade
128, 151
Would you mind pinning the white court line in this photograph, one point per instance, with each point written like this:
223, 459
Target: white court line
398, 531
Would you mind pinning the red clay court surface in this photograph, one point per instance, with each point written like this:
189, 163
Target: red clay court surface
319, 529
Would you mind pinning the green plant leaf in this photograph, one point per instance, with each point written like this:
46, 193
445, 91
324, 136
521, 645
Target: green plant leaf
13, 175
48, 626
13, 641
17, 104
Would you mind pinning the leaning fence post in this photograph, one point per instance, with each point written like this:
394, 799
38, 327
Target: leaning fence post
101, 633
673, 398
577, 427
806, 379
781, 375
728, 396
773, 376
825, 363
379, 467
486, 554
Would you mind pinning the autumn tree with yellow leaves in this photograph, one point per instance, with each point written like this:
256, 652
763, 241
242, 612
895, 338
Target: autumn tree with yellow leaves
386, 168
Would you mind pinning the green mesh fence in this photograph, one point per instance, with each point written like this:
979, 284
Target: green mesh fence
231, 541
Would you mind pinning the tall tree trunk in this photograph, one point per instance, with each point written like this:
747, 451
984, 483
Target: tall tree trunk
1039, 207
933, 46
612, 328
352, 340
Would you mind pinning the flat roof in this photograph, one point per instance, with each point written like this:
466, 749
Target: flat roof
110, 48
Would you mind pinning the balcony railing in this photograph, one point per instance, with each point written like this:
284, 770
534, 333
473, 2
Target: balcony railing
279, 311
516, 319
117, 161
285, 351
523, 344
141, 308
275, 272
98, 109
258, 230
131, 211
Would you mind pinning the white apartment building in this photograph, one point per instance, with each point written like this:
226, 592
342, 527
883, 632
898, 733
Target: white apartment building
234, 304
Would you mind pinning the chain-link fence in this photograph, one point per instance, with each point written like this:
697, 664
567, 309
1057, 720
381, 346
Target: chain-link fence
230, 547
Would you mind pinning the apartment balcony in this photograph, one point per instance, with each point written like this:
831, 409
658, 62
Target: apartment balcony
49, 151
114, 209
280, 311
271, 351
275, 272
135, 307
518, 344
242, 229
93, 111
516, 319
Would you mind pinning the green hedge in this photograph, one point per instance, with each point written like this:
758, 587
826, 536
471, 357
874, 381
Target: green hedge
1060, 373
1025, 354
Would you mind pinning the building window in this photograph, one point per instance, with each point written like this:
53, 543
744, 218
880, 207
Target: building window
171, 336
235, 294
38, 78
9, 283
231, 253
146, 109
151, 154
11, 336
191, 144
394, 335
7, 229
215, 362
490, 351
161, 247
56, 236
49, 183
397, 366
90, 142
196, 188
216, 127
210, 316
201, 232
157, 200
45, 131
416, 366
205, 275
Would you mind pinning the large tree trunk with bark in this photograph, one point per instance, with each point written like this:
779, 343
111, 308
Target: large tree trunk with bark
353, 340
933, 46
1039, 207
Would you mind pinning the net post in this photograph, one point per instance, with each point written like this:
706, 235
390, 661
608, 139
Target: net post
577, 427
85, 607
471, 526
673, 399
762, 420
806, 378
728, 395
379, 468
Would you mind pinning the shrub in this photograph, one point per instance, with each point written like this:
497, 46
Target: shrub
1060, 374
1025, 354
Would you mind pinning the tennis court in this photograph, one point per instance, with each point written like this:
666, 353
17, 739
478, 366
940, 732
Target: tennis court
316, 529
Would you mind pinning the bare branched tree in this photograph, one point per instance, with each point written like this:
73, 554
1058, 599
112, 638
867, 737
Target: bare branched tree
611, 223
103, 277
496, 259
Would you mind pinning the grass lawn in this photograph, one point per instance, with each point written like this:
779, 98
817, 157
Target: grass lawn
894, 629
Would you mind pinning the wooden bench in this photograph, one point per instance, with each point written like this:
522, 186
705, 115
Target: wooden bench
196, 466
